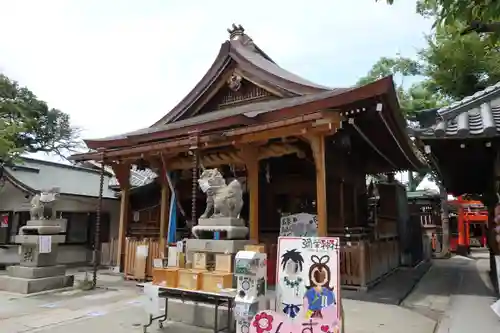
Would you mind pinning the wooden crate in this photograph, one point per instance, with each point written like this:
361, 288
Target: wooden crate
260, 248
167, 277
224, 263
190, 279
200, 260
215, 281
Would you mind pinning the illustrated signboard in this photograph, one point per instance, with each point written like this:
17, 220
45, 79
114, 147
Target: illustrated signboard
299, 225
307, 288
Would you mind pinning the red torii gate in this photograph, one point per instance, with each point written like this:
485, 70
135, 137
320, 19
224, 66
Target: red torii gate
466, 216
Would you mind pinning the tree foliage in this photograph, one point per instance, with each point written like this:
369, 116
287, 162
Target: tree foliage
458, 66
28, 125
415, 98
448, 12
453, 66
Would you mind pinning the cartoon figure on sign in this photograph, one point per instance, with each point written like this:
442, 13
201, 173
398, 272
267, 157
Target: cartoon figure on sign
319, 294
292, 284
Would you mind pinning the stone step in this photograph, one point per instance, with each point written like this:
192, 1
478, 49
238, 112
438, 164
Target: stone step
29, 286
36, 272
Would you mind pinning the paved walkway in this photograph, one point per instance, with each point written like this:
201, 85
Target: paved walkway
119, 309
393, 289
459, 293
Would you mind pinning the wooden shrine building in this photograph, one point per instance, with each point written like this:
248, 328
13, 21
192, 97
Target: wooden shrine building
299, 146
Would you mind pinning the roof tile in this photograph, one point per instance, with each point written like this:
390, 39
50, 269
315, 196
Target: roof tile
477, 115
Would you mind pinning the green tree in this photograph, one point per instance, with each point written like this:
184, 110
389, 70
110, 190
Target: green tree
457, 66
28, 125
446, 12
413, 99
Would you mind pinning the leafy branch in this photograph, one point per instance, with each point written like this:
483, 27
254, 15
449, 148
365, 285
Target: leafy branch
28, 125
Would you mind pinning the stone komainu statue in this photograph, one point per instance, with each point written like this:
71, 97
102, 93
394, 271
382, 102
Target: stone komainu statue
222, 200
43, 205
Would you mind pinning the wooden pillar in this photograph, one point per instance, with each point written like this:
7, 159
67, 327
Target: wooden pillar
250, 155
462, 232
461, 223
355, 204
164, 216
317, 143
342, 204
122, 174
122, 229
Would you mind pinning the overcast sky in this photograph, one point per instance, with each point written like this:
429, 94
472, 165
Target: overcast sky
119, 65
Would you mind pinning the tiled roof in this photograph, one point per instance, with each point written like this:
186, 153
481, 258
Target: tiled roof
250, 110
470, 102
36, 175
474, 116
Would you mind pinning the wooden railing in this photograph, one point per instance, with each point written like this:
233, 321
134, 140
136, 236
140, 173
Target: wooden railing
363, 263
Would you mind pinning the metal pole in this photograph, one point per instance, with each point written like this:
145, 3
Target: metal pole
97, 232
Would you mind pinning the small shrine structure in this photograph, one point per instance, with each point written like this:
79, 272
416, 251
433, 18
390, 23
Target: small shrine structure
298, 146
462, 144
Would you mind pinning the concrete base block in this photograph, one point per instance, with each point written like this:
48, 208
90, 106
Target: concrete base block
34, 239
31, 257
40, 230
29, 286
36, 272
203, 315
216, 246
58, 222
221, 221
197, 314
231, 232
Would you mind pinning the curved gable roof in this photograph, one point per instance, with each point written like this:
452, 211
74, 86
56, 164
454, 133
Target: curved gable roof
242, 51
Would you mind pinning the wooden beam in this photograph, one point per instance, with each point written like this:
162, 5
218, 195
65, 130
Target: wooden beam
274, 133
289, 127
317, 143
250, 155
230, 157
164, 215
122, 174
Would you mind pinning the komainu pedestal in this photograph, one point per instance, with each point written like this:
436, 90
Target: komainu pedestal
39, 240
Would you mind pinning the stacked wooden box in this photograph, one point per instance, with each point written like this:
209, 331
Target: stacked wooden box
210, 272
169, 276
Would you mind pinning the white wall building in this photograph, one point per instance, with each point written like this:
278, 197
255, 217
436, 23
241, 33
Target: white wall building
79, 191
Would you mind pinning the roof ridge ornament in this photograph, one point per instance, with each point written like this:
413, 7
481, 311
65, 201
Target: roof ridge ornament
236, 31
